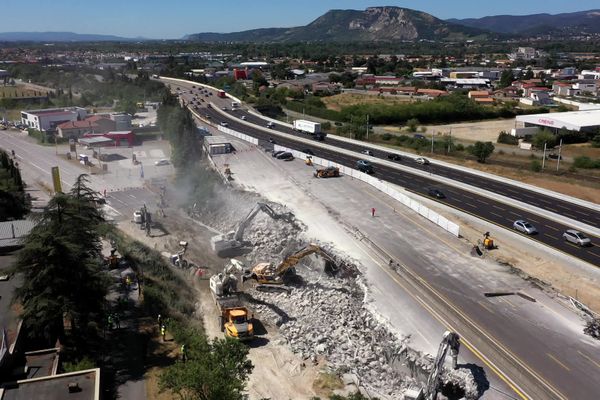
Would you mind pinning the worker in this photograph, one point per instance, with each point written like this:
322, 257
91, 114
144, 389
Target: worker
128, 282
159, 319
372, 211
163, 332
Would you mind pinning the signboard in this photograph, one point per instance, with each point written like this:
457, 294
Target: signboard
56, 180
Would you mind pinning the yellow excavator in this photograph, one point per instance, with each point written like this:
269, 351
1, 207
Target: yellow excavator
268, 275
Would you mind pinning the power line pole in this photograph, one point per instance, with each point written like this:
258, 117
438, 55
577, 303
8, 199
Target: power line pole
559, 156
367, 127
544, 157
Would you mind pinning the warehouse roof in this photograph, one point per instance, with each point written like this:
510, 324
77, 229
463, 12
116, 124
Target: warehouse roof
573, 120
12, 232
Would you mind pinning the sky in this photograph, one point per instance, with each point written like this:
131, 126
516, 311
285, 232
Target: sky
172, 19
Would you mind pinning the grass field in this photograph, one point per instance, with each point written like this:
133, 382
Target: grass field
340, 101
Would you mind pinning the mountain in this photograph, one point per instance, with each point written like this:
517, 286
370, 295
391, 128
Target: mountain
372, 24
581, 22
59, 37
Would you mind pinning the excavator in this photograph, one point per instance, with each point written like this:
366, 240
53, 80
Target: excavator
224, 244
327, 172
450, 341
178, 259
270, 276
226, 283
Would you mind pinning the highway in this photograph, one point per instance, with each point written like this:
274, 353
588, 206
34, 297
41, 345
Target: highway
527, 343
496, 212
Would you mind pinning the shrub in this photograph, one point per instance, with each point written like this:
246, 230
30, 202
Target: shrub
386, 136
535, 166
412, 124
586, 162
507, 138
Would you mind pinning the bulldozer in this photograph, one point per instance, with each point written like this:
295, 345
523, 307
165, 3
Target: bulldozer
226, 244
328, 172
271, 277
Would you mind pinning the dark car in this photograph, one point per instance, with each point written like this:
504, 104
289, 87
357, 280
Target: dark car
271, 140
309, 152
394, 157
276, 153
434, 192
364, 166
553, 156
286, 156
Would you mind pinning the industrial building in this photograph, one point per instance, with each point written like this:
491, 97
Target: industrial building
48, 119
577, 121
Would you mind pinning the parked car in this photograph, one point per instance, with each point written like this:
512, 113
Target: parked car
422, 161
164, 161
276, 153
576, 237
364, 166
437, 193
367, 152
553, 156
419, 136
271, 140
286, 156
525, 227
394, 157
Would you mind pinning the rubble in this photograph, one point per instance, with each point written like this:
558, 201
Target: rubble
592, 328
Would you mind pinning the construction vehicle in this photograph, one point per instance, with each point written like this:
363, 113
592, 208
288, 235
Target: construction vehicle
178, 259
270, 276
488, 242
234, 319
226, 283
327, 172
232, 241
450, 341
113, 260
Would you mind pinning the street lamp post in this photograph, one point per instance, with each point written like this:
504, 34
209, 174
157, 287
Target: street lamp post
559, 152
544, 157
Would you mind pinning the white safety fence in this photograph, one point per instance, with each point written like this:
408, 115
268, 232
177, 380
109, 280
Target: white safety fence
237, 134
384, 187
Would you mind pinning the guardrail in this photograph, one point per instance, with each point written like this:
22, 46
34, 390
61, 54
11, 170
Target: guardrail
384, 187
237, 134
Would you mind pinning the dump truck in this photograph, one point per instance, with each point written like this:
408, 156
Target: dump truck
234, 318
327, 172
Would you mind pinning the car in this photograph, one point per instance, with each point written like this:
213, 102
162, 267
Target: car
276, 153
271, 140
364, 166
553, 156
418, 136
525, 227
164, 161
284, 155
224, 108
309, 152
193, 87
210, 93
394, 157
243, 117
367, 152
100, 200
206, 95
437, 193
270, 125
225, 124
576, 237
207, 116
422, 161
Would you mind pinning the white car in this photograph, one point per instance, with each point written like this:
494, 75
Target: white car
422, 161
225, 124
367, 152
164, 161
243, 117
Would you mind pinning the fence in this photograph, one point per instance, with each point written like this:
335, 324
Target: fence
384, 187
238, 135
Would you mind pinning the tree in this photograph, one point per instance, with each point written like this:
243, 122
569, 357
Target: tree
544, 136
507, 78
62, 278
412, 124
481, 150
528, 74
213, 370
127, 106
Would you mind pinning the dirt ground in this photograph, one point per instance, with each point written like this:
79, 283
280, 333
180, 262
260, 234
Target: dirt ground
466, 131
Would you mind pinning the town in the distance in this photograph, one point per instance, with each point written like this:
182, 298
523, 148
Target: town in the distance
378, 204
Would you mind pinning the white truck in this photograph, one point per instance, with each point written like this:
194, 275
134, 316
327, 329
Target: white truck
235, 105
310, 127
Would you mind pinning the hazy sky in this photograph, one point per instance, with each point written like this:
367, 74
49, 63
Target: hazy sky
168, 19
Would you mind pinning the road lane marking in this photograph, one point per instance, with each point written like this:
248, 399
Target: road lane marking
558, 361
497, 215
551, 227
472, 205
515, 214
486, 307
589, 359
592, 253
497, 207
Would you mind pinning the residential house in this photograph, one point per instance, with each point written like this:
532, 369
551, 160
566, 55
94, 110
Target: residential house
481, 96
93, 124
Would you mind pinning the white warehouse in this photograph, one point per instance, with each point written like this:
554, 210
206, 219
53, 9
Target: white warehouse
578, 121
48, 119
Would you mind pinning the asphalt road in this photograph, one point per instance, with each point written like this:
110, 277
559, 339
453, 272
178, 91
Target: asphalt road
550, 232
